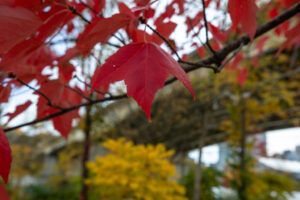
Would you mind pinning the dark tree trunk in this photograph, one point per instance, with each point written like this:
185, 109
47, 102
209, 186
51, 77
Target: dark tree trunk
86, 154
198, 171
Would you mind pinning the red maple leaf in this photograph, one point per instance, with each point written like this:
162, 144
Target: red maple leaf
16, 24
144, 67
243, 12
5, 93
5, 158
19, 109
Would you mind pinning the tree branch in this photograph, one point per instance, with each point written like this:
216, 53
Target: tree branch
206, 31
49, 103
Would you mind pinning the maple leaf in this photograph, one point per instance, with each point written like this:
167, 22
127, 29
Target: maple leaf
5, 158
3, 193
97, 5
16, 24
101, 30
242, 76
144, 67
54, 90
19, 109
5, 93
243, 12
6, 2
63, 123
165, 29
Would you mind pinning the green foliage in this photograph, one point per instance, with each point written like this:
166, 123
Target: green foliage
210, 179
62, 191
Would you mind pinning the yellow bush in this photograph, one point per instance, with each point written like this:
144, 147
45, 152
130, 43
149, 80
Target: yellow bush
131, 171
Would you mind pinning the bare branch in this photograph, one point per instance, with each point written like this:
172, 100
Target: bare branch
164, 39
206, 31
49, 103
78, 92
75, 12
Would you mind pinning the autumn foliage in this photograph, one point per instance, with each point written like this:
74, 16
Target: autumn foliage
144, 60
135, 171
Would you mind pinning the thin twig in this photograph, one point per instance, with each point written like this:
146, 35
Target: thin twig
119, 39
63, 41
212, 51
113, 45
97, 60
200, 65
75, 12
49, 103
164, 39
78, 92
235, 53
89, 86
89, 7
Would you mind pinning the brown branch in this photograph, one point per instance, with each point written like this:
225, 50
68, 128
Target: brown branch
222, 54
235, 53
212, 51
66, 110
113, 45
75, 12
49, 103
89, 86
78, 92
90, 8
62, 41
119, 39
164, 39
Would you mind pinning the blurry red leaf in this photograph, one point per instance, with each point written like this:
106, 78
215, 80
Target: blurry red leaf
140, 36
242, 75
16, 24
201, 51
260, 44
19, 109
144, 67
53, 89
97, 5
100, 31
243, 12
273, 13
180, 4
165, 29
218, 35
235, 62
292, 38
5, 158
289, 3
66, 72
4, 93
63, 123
124, 9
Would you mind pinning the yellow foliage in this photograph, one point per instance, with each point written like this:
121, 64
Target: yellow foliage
131, 171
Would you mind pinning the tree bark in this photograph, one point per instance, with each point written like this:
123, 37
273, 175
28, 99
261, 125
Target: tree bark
198, 171
86, 154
